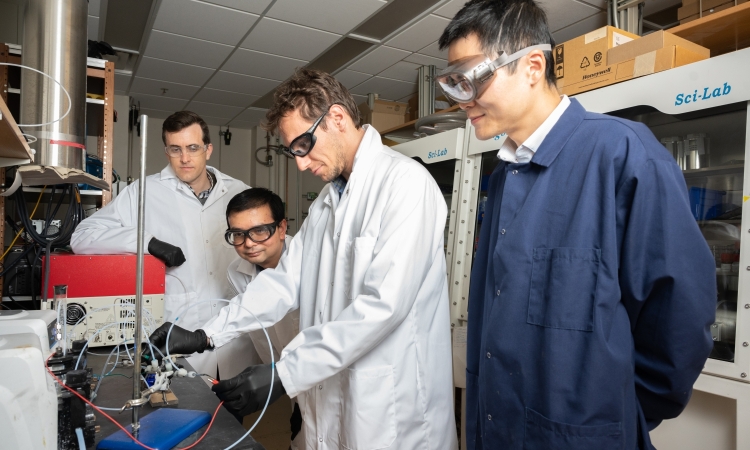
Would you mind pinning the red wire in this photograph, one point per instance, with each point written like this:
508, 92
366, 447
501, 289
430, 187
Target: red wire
205, 432
114, 421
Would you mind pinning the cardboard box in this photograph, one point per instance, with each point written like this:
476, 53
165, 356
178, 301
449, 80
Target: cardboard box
692, 7
650, 54
651, 43
385, 114
710, 11
585, 57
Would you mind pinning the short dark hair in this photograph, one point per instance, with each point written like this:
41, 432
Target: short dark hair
181, 120
313, 92
255, 198
503, 25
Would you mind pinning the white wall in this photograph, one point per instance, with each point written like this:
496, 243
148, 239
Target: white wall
234, 159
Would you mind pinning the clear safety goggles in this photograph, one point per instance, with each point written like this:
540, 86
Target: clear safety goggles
467, 79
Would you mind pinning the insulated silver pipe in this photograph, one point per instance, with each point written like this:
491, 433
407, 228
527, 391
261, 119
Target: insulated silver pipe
54, 42
139, 275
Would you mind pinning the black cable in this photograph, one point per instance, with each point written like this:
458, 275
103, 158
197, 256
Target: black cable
7, 269
10, 297
46, 271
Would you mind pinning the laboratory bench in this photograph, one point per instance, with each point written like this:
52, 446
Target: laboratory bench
192, 393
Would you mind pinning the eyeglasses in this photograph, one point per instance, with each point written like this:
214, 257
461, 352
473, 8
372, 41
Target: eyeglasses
302, 144
467, 79
174, 151
258, 234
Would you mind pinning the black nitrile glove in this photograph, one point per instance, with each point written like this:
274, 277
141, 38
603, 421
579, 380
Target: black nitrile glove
171, 255
248, 391
181, 341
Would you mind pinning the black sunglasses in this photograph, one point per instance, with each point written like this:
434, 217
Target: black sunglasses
258, 234
302, 144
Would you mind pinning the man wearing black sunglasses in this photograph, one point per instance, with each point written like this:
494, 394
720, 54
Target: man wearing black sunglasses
371, 364
256, 228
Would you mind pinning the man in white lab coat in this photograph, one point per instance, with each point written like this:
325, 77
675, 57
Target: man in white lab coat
371, 367
257, 230
185, 207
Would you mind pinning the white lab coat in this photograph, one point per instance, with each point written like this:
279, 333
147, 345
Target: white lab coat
371, 366
240, 274
174, 215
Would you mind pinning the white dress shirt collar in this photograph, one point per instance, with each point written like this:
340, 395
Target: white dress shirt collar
523, 154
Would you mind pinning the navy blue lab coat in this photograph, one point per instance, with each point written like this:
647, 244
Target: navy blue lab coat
592, 293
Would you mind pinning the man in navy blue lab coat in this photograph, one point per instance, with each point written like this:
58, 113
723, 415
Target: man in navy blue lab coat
593, 290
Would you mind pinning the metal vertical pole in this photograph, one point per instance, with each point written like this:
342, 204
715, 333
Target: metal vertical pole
139, 275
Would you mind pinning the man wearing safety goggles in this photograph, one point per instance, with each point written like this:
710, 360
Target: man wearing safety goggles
592, 290
371, 364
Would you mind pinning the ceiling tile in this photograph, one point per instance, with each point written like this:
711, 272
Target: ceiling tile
154, 87
155, 113
424, 60
335, 16
214, 110
359, 99
225, 97
158, 69
92, 25
590, 23
386, 89
402, 70
561, 13
288, 39
122, 82
253, 115
173, 47
243, 84
405, 98
420, 34
94, 7
159, 103
450, 9
262, 65
203, 21
252, 6
379, 59
350, 78
602, 4
432, 50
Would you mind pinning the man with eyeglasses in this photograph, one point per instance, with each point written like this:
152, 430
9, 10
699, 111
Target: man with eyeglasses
371, 366
257, 231
185, 207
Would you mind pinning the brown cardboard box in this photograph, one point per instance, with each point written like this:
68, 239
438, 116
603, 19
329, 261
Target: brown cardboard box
692, 7
710, 11
585, 57
385, 115
639, 64
650, 43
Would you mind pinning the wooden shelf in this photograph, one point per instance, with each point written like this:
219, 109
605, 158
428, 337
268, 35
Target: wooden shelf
13, 147
722, 32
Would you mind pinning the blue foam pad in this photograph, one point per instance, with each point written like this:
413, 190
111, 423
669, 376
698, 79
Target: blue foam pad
163, 429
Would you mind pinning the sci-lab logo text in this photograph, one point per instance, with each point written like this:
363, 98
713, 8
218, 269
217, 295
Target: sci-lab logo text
707, 93
437, 153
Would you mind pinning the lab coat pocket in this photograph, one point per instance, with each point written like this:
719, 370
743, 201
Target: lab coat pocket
563, 288
368, 408
361, 258
542, 432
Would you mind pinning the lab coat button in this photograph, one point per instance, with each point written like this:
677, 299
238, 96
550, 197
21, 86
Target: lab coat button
338, 234
498, 292
320, 439
489, 355
502, 231
320, 387
489, 417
